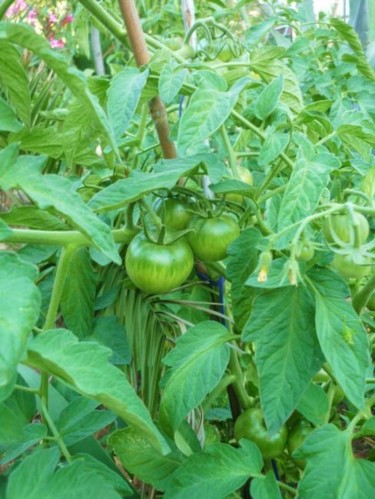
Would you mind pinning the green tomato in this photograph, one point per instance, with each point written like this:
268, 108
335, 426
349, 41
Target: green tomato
250, 425
348, 268
212, 236
305, 251
342, 226
158, 268
296, 437
175, 213
245, 176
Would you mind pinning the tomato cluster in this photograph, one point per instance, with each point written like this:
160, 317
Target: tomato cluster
159, 267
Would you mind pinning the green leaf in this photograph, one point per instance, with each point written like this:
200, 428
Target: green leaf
36, 477
304, 190
264, 63
242, 261
287, 352
265, 487
32, 217
272, 147
314, 405
54, 191
269, 98
8, 118
75, 80
369, 427
171, 81
85, 367
141, 459
29, 436
111, 333
259, 30
8, 157
14, 80
207, 111
138, 184
40, 140
12, 423
80, 419
78, 294
342, 337
123, 97
216, 472
19, 311
200, 356
332, 470
5, 231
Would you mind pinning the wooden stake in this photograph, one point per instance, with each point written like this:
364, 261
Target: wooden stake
139, 49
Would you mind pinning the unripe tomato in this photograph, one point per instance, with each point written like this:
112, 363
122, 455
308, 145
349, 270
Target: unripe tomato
212, 236
342, 226
296, 437
250, 424
245, 176
305, 251
175, 213
158, 268
348, 268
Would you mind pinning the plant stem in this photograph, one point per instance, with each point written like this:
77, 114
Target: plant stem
284, 486
61, 238
238, 387
61, 272
55, 433
28, 389
260, 134
361, 298
231, 153
105, 18
4, 6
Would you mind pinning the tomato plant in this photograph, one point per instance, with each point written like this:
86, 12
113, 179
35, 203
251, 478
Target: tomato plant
250, 424
109, 380
212, 236
158, 268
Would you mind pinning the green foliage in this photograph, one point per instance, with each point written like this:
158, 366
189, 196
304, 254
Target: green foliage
98, 377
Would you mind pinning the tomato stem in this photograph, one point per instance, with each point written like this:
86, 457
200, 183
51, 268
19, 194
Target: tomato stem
61, 238
231, 154
360, 299
284, 486
55, 432
238, 386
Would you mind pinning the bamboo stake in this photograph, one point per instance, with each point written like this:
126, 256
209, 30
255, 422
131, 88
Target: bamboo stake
141, 55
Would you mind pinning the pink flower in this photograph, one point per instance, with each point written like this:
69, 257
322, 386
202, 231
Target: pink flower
52, 18
16, 8
67, 19
57, 44
31, 16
